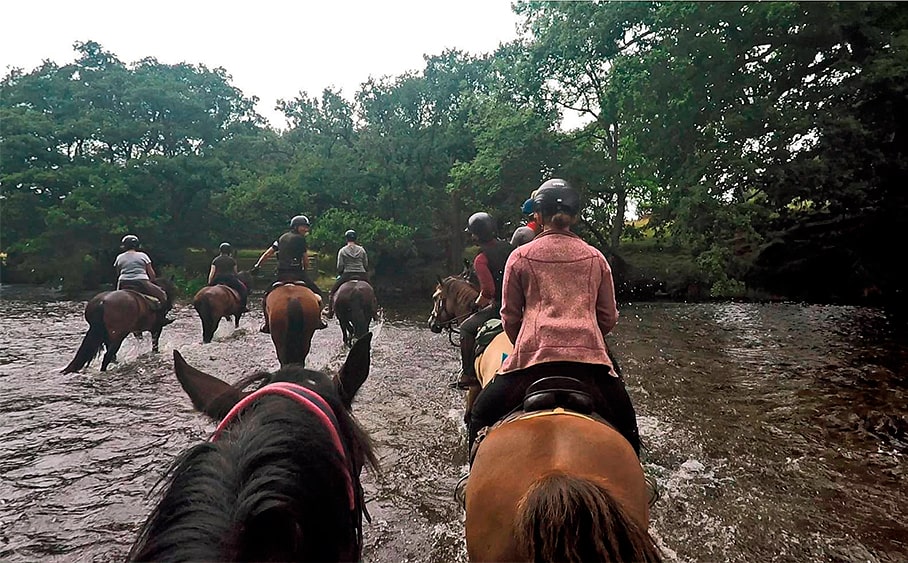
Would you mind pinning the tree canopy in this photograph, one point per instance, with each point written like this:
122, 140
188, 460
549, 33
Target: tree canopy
765, 138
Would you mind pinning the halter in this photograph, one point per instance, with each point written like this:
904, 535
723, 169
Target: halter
314, 403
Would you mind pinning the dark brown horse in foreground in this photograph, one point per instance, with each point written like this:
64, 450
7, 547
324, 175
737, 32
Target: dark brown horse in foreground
216, 302
294, 314
355, 306
114, 315
280, 478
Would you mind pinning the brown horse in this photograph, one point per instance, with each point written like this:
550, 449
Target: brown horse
557, 486
452, 302
216, 302
112, 316
355, 306
279, 480
294, 314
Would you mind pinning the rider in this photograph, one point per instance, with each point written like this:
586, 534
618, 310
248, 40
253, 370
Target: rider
352, 264
525, 233
561, 290
489, 268
223, 271
134, 271
292, 261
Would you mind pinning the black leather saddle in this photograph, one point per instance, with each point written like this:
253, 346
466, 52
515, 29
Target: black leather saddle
558, 391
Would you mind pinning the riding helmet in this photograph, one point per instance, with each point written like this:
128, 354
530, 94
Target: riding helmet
350, 235
482, 225
226, 248
299, 221
130, 242
556, 196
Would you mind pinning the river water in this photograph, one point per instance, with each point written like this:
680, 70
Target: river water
776, 432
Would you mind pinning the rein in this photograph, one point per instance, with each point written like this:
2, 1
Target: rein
311, 401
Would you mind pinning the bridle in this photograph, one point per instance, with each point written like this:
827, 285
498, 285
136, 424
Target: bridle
440, 306
312, 402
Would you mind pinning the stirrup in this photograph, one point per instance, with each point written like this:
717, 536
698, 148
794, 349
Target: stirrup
460, 491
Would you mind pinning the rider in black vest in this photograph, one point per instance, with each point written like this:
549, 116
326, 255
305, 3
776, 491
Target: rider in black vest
489, 267
292, 261
223, 271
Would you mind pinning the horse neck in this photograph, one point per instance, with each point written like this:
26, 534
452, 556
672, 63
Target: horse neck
461, 296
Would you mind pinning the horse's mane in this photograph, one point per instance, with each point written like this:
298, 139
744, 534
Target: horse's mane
460, 289
271, 487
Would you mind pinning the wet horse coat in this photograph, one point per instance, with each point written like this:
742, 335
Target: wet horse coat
294, 314
280, 478
114, 315
557, 486
355, 306
217, 302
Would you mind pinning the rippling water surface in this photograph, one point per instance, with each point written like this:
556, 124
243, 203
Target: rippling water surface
776, 432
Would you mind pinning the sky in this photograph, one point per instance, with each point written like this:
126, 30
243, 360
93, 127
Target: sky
272, 49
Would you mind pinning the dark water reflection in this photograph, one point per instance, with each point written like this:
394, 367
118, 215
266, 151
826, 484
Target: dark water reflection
777, 432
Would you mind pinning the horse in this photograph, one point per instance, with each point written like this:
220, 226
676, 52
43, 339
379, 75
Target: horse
279, 480
294, 314
355, 306
216, 302
112, 316
556, 485
452, 302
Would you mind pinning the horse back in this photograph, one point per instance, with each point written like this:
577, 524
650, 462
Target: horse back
489, 362
220, 300
518, 456
124, 310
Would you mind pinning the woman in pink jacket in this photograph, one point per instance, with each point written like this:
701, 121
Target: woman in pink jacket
558, 303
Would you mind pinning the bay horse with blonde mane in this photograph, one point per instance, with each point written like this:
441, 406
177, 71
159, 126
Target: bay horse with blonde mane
216, 302
114, 315
551, 482
279, 480
294, 314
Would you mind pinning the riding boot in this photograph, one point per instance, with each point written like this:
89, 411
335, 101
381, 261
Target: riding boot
467, 373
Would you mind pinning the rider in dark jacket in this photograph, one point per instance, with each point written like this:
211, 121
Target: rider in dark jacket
489, 268
292, 260
223, 271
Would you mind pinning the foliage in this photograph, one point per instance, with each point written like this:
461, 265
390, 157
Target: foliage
764, 141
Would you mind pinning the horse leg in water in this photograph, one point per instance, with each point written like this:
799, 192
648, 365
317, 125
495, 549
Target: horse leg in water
113, 346
155, 336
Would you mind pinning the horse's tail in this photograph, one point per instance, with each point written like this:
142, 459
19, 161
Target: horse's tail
358, 317
202, 305
294, 352
567, 518
91, 344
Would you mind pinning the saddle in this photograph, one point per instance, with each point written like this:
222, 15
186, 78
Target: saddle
278, 284
153, 302
486, 334
547, 396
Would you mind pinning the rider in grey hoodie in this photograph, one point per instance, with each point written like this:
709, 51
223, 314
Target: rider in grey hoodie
352, 264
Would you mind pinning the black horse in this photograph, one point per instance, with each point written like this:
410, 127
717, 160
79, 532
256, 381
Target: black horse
355, 306
278, 481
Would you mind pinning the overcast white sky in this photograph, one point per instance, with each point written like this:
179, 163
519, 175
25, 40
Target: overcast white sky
272, 49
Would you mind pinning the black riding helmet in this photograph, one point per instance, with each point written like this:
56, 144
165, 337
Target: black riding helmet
226, 248
482, 225
130, 242
350, 235
555, 196
299, 221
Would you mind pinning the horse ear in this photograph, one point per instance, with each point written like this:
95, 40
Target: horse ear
355, 370
209, 394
